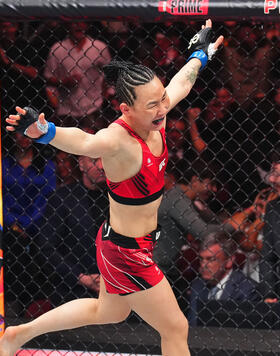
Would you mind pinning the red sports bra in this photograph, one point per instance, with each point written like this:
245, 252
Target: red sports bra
148, 184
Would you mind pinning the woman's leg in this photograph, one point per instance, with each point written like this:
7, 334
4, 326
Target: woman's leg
159, 308
108, 308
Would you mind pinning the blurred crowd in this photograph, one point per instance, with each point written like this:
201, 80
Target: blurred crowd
220, 211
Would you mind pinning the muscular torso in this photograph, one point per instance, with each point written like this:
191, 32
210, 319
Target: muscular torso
128, 220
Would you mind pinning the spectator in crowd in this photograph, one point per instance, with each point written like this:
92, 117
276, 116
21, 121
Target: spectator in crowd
184, 210
117, 34
218, 279
185, 217
212, 129
247, 59
166, 51
269, 262
74, 77
239, 140
250, 222
261, 129
192, 114
178, 140
19, 68
67, 169
220, 106
67, 244
28, 180
263, 125
94, 180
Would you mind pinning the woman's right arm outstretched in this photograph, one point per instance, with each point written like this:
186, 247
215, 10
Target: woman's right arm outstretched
71, 140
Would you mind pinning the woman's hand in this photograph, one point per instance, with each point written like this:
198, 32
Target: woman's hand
33, 130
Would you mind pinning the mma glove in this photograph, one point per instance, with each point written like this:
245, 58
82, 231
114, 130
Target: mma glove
48, 130
201, 47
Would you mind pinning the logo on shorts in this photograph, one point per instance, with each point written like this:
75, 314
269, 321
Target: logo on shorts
157, 235
107, 231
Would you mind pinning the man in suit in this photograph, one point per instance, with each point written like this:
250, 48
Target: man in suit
218, 279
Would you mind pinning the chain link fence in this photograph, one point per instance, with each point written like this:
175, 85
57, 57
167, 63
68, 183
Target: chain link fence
219, 246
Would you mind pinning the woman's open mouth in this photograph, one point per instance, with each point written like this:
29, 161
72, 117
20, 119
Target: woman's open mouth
158, 121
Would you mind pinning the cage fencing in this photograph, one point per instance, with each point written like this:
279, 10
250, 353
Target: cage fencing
219, 246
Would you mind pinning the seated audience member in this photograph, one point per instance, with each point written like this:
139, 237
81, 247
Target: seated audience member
218, 279
94, 180
184, 210
251, 223
68, 236
28, 180
269, 262
67, 169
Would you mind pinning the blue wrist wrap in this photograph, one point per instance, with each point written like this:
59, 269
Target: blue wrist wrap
45, 139
201, 55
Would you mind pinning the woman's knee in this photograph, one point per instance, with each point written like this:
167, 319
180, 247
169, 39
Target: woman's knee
120, 316
112, 313
176, 327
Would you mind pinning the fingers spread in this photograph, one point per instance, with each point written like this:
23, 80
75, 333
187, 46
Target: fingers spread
208, 23
10, 128
218, 42
14, 117
42, 118
20, 110
12, 121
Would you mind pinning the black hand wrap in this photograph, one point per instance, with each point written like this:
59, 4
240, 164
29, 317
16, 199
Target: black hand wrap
201, 40
26, 120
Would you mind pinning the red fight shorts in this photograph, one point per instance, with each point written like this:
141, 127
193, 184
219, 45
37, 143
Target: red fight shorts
125, 263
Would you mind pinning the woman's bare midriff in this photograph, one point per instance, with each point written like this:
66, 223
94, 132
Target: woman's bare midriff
134, 221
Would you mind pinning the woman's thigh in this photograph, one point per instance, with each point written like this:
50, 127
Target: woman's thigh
112, 308
158, 307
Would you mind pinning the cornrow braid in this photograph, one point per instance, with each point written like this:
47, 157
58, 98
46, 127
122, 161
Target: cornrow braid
125, 76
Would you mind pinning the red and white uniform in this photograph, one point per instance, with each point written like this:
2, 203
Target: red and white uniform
126, 263
147, 185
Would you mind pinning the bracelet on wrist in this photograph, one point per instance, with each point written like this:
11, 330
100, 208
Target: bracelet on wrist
47, 137
201, 55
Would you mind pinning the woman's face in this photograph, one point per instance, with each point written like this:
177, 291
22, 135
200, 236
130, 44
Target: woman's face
150, 106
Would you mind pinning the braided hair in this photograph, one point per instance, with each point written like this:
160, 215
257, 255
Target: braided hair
125, 76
